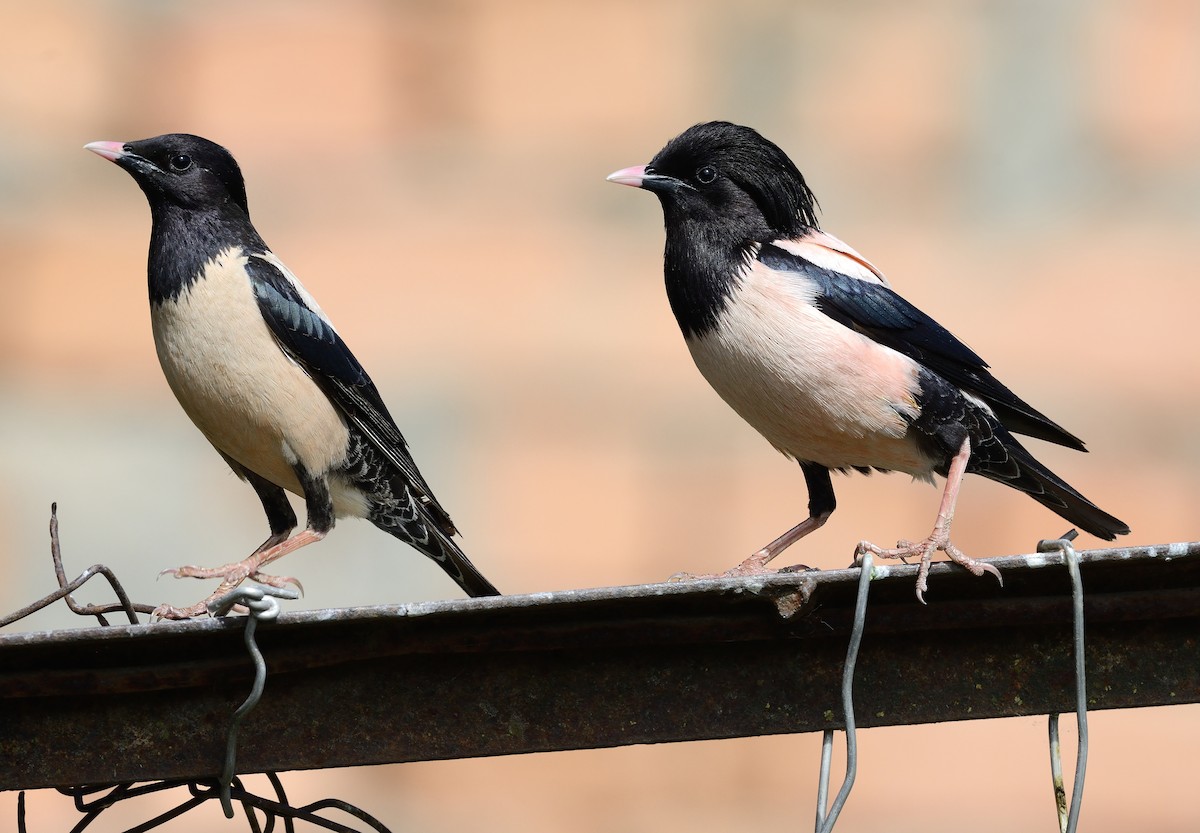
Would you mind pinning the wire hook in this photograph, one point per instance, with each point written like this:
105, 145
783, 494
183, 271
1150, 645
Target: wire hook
827, 819
1068, 820
263, 606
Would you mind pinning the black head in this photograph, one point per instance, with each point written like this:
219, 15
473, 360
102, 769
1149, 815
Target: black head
728, 174
180, 169
197, 204
723, 189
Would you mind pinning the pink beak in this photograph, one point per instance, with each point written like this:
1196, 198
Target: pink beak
626, 176
109, 150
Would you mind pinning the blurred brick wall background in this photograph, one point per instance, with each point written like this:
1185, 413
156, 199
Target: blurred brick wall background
1027, 172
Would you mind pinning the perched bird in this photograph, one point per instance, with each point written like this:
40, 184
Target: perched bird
264, 375
808, 343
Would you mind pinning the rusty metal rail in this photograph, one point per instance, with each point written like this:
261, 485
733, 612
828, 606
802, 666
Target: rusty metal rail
595, 668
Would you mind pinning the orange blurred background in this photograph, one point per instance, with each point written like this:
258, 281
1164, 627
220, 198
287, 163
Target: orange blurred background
1028, 173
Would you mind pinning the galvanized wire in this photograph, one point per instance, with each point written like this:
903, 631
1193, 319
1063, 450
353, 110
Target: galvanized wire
261, 603
826, 821
823, 777
1068, 820
262, 606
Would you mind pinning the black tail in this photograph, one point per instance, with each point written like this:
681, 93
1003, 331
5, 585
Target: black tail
456, 564
413, 524
1021, 471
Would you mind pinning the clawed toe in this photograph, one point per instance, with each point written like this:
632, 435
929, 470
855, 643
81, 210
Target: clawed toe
234, 573
984, 567
798, 568
975, 566
166, 611
231, 576
279, 582
925, 550
755, 565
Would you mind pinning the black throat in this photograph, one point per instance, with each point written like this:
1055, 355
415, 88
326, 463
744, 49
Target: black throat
702, 267
182, 240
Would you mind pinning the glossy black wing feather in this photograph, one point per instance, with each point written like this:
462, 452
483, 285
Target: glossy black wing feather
314, 345
879, 313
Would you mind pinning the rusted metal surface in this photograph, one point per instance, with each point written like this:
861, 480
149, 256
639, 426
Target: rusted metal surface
594, 668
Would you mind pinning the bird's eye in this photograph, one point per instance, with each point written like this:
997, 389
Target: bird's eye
180, 162
706, 175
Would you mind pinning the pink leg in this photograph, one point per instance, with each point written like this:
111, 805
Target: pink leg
939, 539
232, 575
756, 565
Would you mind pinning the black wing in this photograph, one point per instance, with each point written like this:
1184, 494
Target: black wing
315, 346
880, 314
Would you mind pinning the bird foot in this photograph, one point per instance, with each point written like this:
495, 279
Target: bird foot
755, 565
231, 576
925, 550
166, 611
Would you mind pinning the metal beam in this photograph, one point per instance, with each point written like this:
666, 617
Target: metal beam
595, 668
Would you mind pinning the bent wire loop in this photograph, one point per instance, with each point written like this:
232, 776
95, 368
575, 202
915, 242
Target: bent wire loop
1068, 817
1068, 820
262, 604
826, 819
92, 801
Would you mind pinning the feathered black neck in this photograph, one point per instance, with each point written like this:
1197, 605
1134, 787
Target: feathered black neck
183, 240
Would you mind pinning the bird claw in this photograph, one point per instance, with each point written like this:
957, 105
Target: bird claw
925, 549
166, 611
230, 572
279, 582
231, 576
988, 568
755, 565
798, 568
